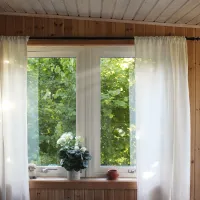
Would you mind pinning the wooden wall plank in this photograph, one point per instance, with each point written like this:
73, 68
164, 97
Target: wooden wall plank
109, 29
33, 195
119, 195
75, 28
160, 31
68, 27
79, 195
179, 31
192, 83
81, 28
68, 194
89, 195
197, 135
150, 30
3, 25
41, 194
139, 29
55, 194
39, 27
197, 123
59, 27
99, 195
54, 27
119, 30
129, 195
169, 31
29, 26
10, 24
19, 25
129, 30
109, 195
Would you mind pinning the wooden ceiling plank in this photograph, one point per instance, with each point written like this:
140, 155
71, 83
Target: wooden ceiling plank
15, 5
191, 15
6, 7
95, 8
71, 7
170, 10
195, 20
1, 9
107, 8
36, 6
145, 9
157, 10
25, 5
120, 9
48, 6
83, 8
132, 9
60, 7
184, 10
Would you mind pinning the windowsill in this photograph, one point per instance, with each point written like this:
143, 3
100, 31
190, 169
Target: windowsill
84, 183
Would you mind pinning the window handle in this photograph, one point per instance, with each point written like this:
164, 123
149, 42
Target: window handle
131, 170
45, 170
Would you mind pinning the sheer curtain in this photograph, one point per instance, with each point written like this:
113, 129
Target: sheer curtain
162, 118
13, 120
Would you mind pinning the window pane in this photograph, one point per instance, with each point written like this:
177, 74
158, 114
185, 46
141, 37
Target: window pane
117, 112
51, 106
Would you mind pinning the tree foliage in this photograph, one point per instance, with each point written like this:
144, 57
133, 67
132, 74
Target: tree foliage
52, 108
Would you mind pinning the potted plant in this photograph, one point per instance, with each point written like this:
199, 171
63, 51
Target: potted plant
73, 155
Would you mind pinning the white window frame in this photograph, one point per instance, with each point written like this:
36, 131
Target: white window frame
62, 52
94, 116
88, 86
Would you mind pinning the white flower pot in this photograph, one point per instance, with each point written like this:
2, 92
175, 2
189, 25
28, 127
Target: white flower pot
73, 175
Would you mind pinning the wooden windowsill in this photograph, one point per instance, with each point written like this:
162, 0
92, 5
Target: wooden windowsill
84, 183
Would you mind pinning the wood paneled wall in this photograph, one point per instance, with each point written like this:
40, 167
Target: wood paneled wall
61, 194
83, 190
49, 27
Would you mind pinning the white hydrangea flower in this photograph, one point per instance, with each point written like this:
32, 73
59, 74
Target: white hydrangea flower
71, 137
70, 133
58, 141
76, 148
83, 149
78, 138
63, 135
61, 141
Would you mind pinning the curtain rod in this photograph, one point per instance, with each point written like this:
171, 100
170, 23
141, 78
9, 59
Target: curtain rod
94, 38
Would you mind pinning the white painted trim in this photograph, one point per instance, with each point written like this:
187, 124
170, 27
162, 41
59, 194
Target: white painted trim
63, 52
99, 19
94, 112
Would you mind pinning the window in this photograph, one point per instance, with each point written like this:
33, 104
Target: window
84, 90
51, 105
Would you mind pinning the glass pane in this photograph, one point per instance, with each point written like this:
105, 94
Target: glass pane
117, 112
51, 106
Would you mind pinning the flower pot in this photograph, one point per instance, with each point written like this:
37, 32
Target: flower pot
73, 175
112, 174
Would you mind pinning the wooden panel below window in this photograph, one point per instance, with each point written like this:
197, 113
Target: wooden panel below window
56, 194
96, 189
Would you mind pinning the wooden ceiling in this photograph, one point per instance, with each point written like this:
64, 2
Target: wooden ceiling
161, 11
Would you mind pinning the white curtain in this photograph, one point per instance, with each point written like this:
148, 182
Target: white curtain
13, 121
162, 118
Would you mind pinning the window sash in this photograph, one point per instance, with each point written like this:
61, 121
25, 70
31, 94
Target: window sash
93, 123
